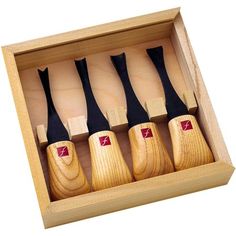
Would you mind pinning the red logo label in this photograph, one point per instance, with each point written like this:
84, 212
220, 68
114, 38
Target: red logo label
186, 125
62, 151
104, 140
146, 132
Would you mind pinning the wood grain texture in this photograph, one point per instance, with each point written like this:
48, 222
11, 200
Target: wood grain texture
189, 145
107, 163
66, 175
149, 154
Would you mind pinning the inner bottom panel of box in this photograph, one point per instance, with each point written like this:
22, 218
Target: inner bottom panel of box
69, 98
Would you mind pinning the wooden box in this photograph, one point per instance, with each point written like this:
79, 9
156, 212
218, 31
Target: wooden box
97, 43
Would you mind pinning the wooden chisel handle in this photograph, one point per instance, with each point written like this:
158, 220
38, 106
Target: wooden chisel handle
190, 148
66, 175
108, 166
150, 157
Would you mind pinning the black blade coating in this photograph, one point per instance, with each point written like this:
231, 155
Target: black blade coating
56, 130
174, 105
96, 121
135, 112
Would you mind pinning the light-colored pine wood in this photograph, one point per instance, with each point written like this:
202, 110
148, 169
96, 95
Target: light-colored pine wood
81, 48
78, 129
189, 145
107, 163
190, 101
66, 175
138, 193
149, 154
69, 100
156, 109
117, 119
26, 128
41, 135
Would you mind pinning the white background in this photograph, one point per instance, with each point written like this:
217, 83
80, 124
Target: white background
211, 27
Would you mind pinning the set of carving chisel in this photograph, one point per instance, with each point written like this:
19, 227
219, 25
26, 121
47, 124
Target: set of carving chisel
108, 166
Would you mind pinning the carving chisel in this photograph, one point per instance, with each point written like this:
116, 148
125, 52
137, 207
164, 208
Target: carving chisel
149, 154
189, 145
108, 165
66, 176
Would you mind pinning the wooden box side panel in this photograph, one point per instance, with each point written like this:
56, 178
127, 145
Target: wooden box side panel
94, 45
138, 193
30, 145
94, 39
192, 74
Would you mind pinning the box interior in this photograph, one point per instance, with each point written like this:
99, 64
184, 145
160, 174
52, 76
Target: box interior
67, 90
